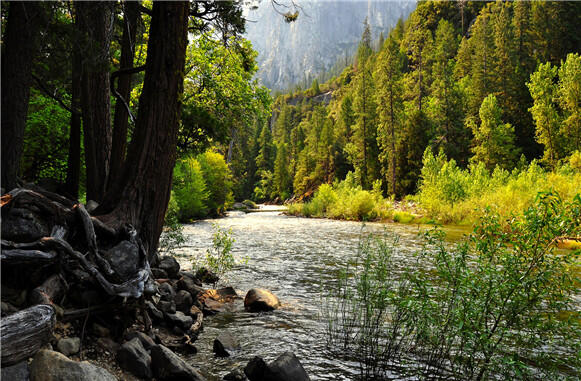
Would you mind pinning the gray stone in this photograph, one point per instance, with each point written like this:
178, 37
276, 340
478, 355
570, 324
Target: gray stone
133, 358
287, 367
170, 266
108, 344
16, 372
158, 273
69, 345
180, 320
183, 301
91, 206
146, 340
166, 291
225, 344
167, 307
235, 375
256, 369
190, 285
22, 225
167, 366
260, 299
53, 366
153, 312
124, 259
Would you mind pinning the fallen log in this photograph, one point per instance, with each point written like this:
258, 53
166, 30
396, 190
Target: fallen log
27, 257
22, 334
52, 288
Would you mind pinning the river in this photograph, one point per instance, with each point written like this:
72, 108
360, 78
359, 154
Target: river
293, 257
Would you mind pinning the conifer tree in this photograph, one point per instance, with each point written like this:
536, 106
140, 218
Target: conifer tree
493, 139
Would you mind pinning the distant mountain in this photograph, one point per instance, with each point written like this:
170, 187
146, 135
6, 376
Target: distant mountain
325, 32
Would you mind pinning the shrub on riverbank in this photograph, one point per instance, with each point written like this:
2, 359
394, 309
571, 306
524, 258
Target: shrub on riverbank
498, 305
202, 186
450, 194
345, 200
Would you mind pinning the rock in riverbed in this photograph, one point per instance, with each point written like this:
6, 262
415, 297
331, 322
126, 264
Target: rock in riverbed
260, 299
133, 357
286, 367
225, 344
167, 366
53, 366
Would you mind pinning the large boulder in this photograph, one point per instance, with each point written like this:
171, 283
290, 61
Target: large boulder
170, 266
225, 344
53, 366
69, 345
167, 366
16, 372
124, 259
133, 358
146, 340
260, 299
286, 367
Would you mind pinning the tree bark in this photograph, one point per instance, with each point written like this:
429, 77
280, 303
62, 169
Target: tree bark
20, 41
74, 158
25, 332
94, 21
141, 198
120, 121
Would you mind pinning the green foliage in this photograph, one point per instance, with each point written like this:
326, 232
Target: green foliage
173, 236
219, 258
493, 139
451, 194
478, 310
202, 186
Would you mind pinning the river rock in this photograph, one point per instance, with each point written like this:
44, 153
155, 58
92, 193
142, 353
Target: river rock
53, 366
16, 372
124, 259
235, 375
183, 301
167, 307
260, 299
91, 206
133, 358
158, 273
146, 341
167, 366
180, 320
170, 266
190, 285
69, 345
256, 369
287, 367
225, 344
214, 301
166, 291
153, 311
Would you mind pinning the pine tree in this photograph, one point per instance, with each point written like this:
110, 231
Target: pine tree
493, 139
389, 98
282, 179
570, 100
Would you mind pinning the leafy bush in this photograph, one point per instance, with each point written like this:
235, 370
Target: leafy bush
202, 186
450, 194
219, 258
487, 308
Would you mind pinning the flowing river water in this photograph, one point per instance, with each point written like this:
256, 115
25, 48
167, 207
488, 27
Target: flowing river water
294, 258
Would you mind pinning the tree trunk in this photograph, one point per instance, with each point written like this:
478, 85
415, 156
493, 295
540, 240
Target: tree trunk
120, 121
141, 198
20, 40
95, 29
74, 158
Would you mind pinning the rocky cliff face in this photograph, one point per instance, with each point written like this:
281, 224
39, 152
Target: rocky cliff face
325, 32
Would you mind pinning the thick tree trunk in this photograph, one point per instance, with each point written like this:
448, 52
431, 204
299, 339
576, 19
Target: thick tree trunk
94, 20
120, 122
20, 40
141, 198
74, 158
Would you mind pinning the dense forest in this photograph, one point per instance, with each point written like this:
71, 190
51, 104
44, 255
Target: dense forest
491, 85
